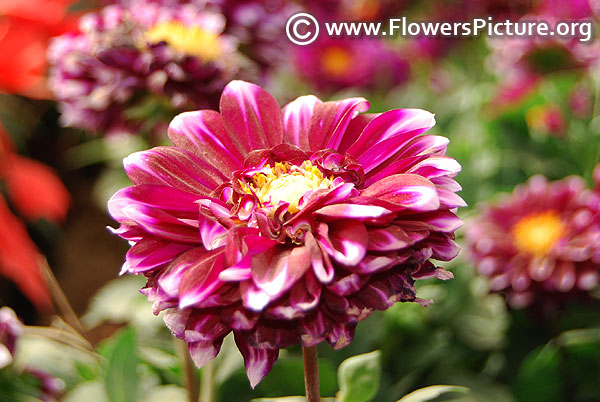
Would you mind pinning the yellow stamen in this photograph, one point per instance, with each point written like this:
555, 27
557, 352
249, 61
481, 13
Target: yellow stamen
538, 232
336, 60
194, 41
286, 183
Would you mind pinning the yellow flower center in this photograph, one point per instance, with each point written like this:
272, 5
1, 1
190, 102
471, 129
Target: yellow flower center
537, 233
194, 41
286, 183
336, 60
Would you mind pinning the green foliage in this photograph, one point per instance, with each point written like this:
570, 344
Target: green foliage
121, 378
433, 392
359, 377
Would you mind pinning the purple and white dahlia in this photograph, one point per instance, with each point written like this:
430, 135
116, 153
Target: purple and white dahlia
286, 226
139, 62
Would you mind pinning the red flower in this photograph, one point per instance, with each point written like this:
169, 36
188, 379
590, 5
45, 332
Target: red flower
25, 29
36, 193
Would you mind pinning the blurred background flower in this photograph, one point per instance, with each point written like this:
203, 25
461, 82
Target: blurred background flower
539, 246
25, 30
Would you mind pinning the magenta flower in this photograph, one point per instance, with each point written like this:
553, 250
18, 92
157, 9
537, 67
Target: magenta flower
522, 62
286, 226
340, 63
541, 244
142, 60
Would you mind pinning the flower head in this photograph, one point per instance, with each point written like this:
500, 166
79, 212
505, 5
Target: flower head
521, 62
541, 242
342, 63
25, 31
139, 60
286, 226
10, 330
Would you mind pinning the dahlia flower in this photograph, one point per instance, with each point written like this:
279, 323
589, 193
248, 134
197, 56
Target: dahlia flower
540, 244
286, 226
10, 330
145, 60
335, 64
259, 26
521, 62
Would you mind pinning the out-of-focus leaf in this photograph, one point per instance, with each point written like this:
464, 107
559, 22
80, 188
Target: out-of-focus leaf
433, 392
157, 358
580, 337
120, 301
165, 393
359, 377
539, 377
90, 391
228, 361
121, 374
51, 356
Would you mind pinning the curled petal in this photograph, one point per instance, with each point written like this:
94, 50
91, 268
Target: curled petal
212, 233
277, 270
346, 241
174, 167
201, 278
406, 190
258, 362
330, 120
389, 238
251, 116
320, 262
296, 120
151, 253
203, 352
178, 203
203, 133
159, 223
352, 211
407, 123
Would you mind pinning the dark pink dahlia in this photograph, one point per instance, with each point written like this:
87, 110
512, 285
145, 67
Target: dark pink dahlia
339, 63
541, 244
142, 60
286, 226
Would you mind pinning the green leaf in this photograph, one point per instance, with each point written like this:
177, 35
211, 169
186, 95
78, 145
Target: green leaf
119, 301
89, 391
121, 375
539, 377
166, 393
359, 377
432, 392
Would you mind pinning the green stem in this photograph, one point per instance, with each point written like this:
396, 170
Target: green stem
311, 374
189, 370
207, 389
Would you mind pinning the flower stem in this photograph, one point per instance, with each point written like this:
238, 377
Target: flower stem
311, 374
189, 369
207, 390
